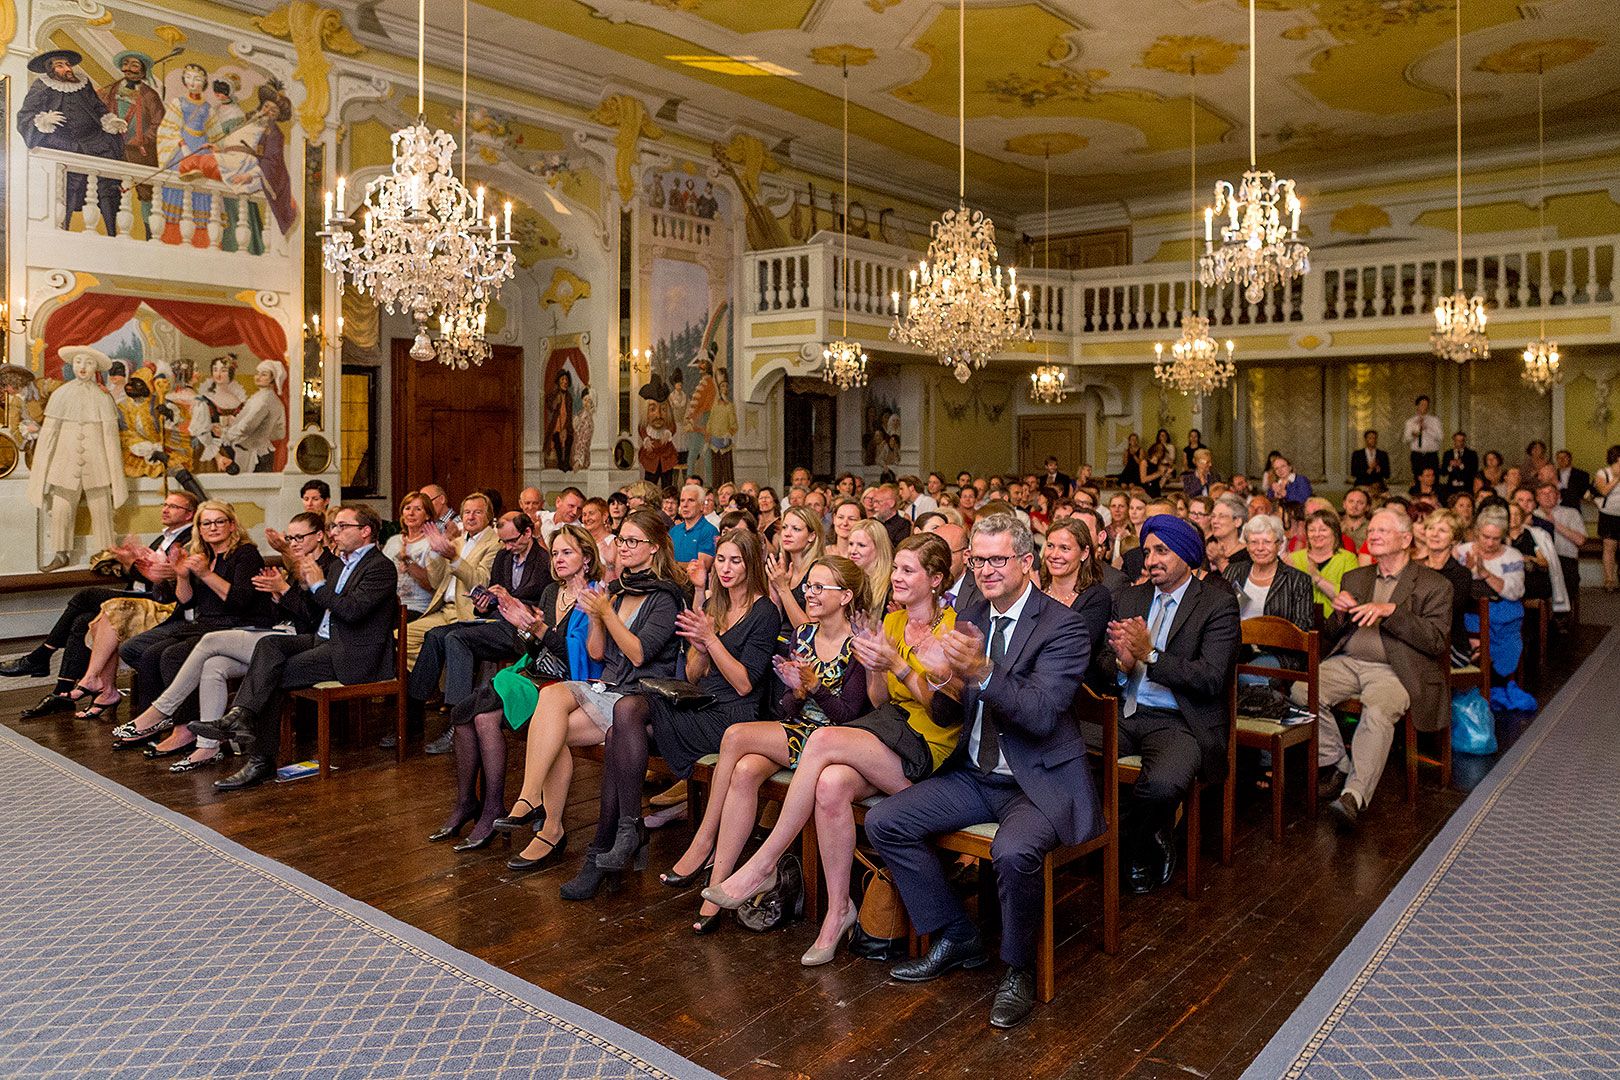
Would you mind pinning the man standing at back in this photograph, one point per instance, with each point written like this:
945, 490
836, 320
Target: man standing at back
1422, 435
1007, 675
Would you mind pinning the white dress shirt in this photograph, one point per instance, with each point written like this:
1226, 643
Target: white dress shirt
1014, 613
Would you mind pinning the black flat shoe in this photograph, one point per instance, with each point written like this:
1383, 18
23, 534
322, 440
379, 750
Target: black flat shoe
518, 862
448, 832
153, 753
686, 881
707, 924
50, 703
536, 816
479, 843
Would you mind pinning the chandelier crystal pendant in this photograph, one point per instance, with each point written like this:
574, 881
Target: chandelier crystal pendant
1196, 365
843, 363
958, 307
1257, 250
424, 247
1459, 320
1541, 356
462, 338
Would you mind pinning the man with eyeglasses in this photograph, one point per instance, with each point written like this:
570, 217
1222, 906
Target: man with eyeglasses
145, 571
1388, 643
461, 561
522, 569
962, 592
1007, 674
1175, 641
1113, 579
444, 515
352, 642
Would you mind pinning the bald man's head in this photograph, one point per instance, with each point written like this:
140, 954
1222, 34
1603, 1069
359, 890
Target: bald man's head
956, 539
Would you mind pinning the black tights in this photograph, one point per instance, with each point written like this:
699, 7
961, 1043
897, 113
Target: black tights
624, 767
480, 748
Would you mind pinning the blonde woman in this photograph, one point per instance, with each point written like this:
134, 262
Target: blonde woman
800, 539
845, 513
869, 549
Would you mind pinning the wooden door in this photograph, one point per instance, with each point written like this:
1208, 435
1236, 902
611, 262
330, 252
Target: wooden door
460, 429
1060, 436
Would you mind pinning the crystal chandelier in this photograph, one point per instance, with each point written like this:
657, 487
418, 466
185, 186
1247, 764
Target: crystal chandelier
425, 247
1048, 384
1196, 365
1256, 250
958, 307
1541, 356
1459, 322
843, 363
461, 336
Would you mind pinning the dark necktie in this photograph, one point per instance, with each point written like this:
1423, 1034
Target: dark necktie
989, 751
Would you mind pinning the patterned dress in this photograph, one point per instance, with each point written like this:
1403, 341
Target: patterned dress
830, 674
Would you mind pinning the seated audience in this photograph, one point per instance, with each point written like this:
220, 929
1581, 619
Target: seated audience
1353, 522
1072, 575
1285, 482
1225, 545
352, 643
1323, 557
845, 513
869, 549
444, 515
1498, 570
1386, 643
411, 553
885, 511
1200, 474
1007, 675
316, 495
1265, 584
1563, 522
1112, 578
692, 536
800, 542
1441, 531
462, 557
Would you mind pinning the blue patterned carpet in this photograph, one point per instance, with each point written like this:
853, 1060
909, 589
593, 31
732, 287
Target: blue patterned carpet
1498, 955
137, 944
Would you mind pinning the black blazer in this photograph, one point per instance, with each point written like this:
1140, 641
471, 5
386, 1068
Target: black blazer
161, 591
1579, 482
1457, 471
242, 604
305, 616
1114, 580
1363, 474
1198, 661
536, 574
969, 593
1291, 596
364, 617
1032, 691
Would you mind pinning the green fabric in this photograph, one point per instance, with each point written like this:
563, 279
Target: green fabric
518, 695
1334, 571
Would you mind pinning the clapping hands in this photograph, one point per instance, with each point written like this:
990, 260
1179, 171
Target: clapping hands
795, 674
696, 626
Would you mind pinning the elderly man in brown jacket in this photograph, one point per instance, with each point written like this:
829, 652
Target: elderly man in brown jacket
1388, 644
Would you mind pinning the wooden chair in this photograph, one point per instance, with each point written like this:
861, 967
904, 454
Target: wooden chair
323, 694
1266, 633
1130, 768
1477, 676
1541, 611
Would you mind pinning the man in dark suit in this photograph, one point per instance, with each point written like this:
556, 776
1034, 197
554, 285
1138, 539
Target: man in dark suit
1053, 478
1459, 466
1573, 483
1369, 466
1114, 580
1008, 674
522, 568
961, 592
1175, 642
143, 574
353, 643
1388, 644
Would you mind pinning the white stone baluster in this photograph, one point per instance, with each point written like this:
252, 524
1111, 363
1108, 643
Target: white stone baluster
244, 234
92, 207
216, 221
126, 210
154, 216
1589, 284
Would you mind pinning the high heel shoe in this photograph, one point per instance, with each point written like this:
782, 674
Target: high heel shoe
821, 954
447, 832
536, 817
590, 880
714, 894
707, 924
97, 709
629, 847
683, 881
518, 862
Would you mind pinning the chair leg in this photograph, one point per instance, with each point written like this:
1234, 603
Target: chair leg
1277, 773
1411, 760
323, 736
399, 726
1444, 736
810, 856
287, 724
1195, 846
1045, 965
1110, 898
1311, 749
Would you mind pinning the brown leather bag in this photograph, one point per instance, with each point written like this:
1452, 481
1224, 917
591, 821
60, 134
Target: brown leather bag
882, 915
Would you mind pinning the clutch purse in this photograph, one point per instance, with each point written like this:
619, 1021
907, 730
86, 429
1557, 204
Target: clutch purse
678, 692
540, 665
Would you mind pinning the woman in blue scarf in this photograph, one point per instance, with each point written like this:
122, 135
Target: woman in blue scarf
560, 627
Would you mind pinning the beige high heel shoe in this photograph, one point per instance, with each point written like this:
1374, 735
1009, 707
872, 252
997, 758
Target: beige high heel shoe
822, 954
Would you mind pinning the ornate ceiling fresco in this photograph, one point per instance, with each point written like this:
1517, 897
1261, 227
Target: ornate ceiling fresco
1344, 85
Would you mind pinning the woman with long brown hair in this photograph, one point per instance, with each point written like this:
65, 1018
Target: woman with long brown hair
1071, 576
632, 634
730, 644
799, 540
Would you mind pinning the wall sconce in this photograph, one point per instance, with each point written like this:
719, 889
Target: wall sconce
19, 324
313, 332
640, 361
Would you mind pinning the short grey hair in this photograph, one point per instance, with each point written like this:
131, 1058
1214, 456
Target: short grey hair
996, 524
1403, 520
1496, 516
1265, 523
1237, 506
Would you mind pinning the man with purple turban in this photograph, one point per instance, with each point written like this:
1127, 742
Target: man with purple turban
1175, 640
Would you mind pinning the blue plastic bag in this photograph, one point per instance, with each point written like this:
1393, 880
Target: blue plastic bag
1473, 728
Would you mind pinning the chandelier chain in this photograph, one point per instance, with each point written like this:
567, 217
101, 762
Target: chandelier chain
1459, 319
1541, 368
844, 361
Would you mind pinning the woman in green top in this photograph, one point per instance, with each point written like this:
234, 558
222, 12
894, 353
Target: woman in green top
1323, 558
887, 750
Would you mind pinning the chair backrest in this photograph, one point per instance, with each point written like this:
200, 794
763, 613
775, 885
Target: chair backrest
1103, 710
1274, 632
401, 668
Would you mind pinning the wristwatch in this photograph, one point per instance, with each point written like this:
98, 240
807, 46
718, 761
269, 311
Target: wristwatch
1153, 657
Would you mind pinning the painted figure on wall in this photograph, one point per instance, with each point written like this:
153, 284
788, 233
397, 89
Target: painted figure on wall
79, 455
248, 441
62, 111
566, 383
137, 103
721, 430
881, 442
253, 156
657, 431
140, 432
560, 427
584, 430
189, 130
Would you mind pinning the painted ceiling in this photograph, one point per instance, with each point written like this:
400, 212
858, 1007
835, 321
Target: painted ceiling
1103, 86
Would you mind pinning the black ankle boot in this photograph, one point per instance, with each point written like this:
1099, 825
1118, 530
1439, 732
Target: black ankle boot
629, 847
590, 879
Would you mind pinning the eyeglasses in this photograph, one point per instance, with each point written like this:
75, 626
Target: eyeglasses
176, 506
214, 523
515, 540
301, 536
631, 542
336, 525
994, 562
815, 588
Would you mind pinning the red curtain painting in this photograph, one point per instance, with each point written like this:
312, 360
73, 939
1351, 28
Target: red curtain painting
93, 316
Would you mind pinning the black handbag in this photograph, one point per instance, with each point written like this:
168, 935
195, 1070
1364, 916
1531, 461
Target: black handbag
679, 693
774, 909
540, 665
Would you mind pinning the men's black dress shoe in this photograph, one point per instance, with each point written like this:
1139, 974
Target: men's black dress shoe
1344, 813
1330, 781
235, 726
946, 955
1015, 998
50, 703
444, 744
255, 772
32, 666
1157, 865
